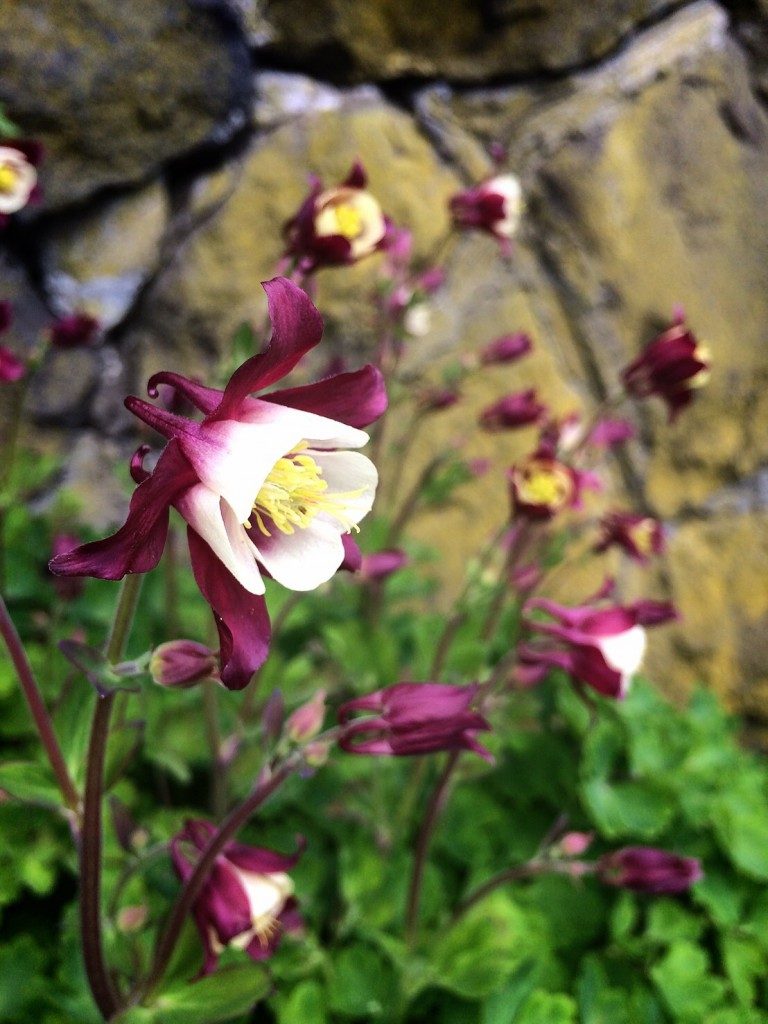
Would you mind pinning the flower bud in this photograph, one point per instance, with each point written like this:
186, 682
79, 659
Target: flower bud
11, 367
645, 869
307, 721
382, 564
132, 919
180, 664
74, 331
573, 844
506, 349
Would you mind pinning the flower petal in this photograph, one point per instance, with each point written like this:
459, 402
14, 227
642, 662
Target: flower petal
241, 617
138, 544
304, 559
213, 520
296, 328
203, 398
356, 399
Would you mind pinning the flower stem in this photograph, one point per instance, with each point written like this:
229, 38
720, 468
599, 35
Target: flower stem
191, 890
434, 810
529, 870
38, 709
102, 986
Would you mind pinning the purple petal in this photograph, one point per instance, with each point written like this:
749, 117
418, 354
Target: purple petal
356, 399
241, 617
263, 861
203, 398
296, 328
138, 544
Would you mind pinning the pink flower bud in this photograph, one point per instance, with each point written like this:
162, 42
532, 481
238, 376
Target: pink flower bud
180, 664
517, 410
381, 564
307, 721
573, 844
132, 919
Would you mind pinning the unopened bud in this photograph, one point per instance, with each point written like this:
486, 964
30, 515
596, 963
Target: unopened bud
307, 721
132, 919
180, 664
573, 844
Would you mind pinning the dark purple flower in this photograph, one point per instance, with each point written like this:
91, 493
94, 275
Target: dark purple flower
673, 367
542, 486
607, 433
181, 664
74, 331
520, 409
336, 226
67, 588
506, 349
413, 718
641, 537
600, 647
247, 901
645, 869
494, 206
264, 482
437, 399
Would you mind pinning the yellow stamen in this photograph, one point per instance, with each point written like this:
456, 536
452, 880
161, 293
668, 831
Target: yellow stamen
9, 177
348, 220
294, 493
545, 485
642, 535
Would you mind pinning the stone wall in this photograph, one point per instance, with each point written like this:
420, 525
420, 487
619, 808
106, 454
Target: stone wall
179, 138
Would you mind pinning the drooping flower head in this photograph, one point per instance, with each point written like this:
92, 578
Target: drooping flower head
646, 869
495, 206
520, 409
413, 718
268, 484
247, 901
600, 647
73, 331
18, 175
336, 226
673, 367
506, 349
641, 537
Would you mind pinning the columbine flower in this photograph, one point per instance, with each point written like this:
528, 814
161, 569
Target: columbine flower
336, 226
495, 206
18, 174
264, 482
673, 367
640, 536
542, 486
599, 647
413, 718
520, 409
506, 349
645, 869
180, 664
609, 432
247, 901
74, 331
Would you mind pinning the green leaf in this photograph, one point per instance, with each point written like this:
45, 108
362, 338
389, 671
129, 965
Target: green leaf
742, 828
304, 1005
361, 983
479, 954
745, 964
684, 981
627, 809
30, 782
498, 1008
668, 922
546, 1008
214, 999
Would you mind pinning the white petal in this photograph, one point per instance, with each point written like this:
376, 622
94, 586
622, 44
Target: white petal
319, 431
304, 559
266, 893
217, 524
624, 651
346, 473
234, 458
